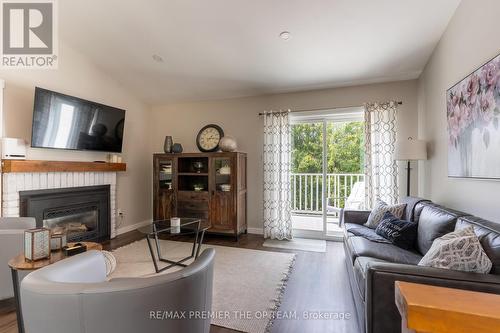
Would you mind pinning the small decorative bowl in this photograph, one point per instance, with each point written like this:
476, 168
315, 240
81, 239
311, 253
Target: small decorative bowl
225, 187
198, 187
225, 170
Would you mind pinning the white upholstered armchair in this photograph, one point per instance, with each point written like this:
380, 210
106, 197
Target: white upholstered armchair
11, 244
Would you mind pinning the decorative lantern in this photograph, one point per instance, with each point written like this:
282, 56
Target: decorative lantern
37, 244
58, 239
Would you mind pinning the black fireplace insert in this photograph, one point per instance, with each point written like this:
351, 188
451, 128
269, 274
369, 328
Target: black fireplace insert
83, 211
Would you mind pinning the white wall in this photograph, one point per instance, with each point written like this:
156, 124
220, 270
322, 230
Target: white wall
472, 38
238, 117
78, 77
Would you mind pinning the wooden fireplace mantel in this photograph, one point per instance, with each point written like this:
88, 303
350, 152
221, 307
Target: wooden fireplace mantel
60, 166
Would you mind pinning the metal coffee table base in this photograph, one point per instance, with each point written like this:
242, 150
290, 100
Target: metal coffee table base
195, 251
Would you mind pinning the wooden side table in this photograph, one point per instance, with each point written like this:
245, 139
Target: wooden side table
431, 309
19, 263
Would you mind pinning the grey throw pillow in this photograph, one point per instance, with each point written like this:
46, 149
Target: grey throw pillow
459, 250
379, 211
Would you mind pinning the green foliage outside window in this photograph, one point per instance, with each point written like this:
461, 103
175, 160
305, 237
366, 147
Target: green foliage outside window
345, 147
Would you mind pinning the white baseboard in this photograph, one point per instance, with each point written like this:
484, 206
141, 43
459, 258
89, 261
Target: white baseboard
131, 227
255, 231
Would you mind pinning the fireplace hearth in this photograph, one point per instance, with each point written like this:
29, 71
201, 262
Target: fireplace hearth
83, 211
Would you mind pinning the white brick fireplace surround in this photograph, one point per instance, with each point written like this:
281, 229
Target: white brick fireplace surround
15, 182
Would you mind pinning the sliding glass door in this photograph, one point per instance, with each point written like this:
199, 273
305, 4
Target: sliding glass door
327, 170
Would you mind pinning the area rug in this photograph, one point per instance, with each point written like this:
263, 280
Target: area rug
302, 244
248, 284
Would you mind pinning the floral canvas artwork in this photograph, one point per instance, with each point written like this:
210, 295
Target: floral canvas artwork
473, 112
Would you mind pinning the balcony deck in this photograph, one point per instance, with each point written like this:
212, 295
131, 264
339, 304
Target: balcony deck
311, 222
307, 192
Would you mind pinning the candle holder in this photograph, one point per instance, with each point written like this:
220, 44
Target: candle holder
37, 244
58, 239
175, 223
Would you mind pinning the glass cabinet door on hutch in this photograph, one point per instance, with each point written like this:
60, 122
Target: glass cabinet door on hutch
165, 189
222, 193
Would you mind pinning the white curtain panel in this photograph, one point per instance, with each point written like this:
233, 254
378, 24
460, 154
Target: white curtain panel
381, 171
277, 189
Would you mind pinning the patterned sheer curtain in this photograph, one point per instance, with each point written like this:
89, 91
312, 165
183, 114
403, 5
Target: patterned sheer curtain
381, 172
277, 189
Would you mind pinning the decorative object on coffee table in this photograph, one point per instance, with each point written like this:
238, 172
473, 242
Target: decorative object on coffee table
473, 123
209, 137
175, 222
37, 244
167, 145
177, 148
228, 144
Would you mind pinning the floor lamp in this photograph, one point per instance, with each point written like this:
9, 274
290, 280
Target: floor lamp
410, 150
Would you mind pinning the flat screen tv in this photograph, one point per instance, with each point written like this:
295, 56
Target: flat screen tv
66, 122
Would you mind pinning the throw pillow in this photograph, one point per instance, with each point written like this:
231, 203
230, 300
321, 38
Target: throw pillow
380, 209
401, 233
459, 250
110, 261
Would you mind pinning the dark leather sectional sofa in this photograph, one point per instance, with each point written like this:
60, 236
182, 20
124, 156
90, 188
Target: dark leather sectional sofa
373, 267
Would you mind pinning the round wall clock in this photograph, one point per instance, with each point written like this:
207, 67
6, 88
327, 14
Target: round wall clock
208, 138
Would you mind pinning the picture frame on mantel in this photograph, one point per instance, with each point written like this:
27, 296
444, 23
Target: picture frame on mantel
473, 119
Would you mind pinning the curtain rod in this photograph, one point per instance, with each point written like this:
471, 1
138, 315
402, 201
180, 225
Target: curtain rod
324, 109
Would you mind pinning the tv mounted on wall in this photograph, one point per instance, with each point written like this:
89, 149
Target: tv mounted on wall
66, 122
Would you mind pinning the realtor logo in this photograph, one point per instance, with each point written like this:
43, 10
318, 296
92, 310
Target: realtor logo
29, 34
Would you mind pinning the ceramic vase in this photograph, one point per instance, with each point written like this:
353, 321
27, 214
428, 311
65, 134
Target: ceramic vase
177, 148
228, 144
167, 146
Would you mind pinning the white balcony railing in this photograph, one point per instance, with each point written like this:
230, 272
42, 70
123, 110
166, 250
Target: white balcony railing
307, 190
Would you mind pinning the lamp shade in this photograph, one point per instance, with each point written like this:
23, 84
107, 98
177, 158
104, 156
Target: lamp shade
410, 149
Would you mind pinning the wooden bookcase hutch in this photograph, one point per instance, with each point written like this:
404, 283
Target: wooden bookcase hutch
209, 186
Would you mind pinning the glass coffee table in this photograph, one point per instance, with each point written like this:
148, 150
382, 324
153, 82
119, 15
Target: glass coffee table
163, 227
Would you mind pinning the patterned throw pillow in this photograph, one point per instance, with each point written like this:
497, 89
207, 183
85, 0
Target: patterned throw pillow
459, 250
110, 261
380, 209
401, 233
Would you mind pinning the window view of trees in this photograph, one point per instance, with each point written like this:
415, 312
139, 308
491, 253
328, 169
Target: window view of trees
345, 147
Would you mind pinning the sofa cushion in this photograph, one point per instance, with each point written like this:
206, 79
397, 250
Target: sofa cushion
380, 209
360, 247
360, 273
349, 226
363, 231
399, 232
488, 233
413, 207
459, 250
434, 222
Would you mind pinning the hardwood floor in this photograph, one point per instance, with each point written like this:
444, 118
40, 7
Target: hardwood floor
317, 286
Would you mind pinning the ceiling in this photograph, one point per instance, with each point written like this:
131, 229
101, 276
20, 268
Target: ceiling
214, 49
